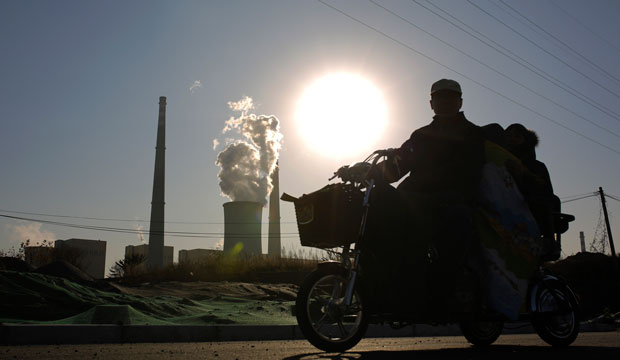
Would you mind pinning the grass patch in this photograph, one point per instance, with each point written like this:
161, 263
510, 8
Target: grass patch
224, 267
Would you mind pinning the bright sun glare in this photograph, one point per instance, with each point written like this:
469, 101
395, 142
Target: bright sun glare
341, 115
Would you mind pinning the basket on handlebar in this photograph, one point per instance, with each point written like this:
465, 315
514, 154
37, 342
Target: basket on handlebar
329, 217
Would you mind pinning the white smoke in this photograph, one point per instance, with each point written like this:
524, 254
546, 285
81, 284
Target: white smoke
196, 85
140, 231
32, 231
247, 164
244, 105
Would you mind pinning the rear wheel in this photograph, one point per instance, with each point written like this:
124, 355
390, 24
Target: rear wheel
323, 317
481, 333
555, 314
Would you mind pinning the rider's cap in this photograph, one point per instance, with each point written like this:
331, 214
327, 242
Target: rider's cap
446, 85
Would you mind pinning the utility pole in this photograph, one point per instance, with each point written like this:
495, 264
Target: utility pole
611, 239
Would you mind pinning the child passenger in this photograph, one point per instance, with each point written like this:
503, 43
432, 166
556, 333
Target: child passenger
536, 186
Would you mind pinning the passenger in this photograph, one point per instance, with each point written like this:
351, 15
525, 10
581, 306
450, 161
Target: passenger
536, 185
495, 133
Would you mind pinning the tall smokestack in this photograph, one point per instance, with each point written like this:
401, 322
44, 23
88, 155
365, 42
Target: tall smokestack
155, 258
582, 240
274, 247
242, 227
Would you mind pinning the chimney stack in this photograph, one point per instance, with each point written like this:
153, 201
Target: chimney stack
274, 247
155, 256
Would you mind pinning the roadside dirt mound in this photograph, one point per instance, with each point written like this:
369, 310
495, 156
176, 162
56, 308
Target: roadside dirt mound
594, 279
14, 264
199, 290
32, 297
65, 270
68, 271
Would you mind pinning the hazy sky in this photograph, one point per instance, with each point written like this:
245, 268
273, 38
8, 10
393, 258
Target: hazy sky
80, 82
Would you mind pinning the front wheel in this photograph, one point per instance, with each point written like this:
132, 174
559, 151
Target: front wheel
323, 317
481, 333
555, 313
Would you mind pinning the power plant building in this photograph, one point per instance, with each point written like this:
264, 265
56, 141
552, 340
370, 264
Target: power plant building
197, 255
143, 250
38, 255
89, 254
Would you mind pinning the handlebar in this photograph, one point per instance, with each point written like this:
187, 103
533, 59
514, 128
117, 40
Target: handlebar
384, 152
358, 172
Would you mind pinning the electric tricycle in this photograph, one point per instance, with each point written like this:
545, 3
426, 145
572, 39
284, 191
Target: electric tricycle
383, 272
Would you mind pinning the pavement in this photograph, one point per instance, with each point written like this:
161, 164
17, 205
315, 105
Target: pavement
109, 324
31, 334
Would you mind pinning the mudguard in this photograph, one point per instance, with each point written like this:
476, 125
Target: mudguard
333, 266
552, 280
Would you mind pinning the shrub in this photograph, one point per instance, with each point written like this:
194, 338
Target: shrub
129, 266
223, 267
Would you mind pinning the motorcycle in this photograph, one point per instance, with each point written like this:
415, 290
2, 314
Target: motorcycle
385, 275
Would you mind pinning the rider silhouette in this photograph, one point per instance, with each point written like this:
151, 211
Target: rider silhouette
444, 157
444, 160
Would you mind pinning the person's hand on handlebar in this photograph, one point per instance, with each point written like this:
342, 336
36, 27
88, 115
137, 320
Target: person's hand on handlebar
382, 170
355, 174
366, 170
341, 172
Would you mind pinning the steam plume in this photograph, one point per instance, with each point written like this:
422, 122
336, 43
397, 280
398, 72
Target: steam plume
196, 85
31, 231
140, 230
246, 164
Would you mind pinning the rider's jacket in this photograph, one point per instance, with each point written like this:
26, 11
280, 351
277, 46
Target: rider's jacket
445, 156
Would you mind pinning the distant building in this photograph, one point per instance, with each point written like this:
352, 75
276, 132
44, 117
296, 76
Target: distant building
131, 250
197, 255
88, 255
38, 255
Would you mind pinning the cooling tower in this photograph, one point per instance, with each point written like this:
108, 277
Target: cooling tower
242, 227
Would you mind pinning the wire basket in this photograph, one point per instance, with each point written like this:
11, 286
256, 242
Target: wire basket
329, 217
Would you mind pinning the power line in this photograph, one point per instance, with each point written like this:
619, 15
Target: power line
572, 196
579, 198
612, 197
129, 220
543, 49
467, 77
594, 65
186, 234
584, 26
496, 71
521, 61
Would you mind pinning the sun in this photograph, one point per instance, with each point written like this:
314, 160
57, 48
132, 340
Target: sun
341, 115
